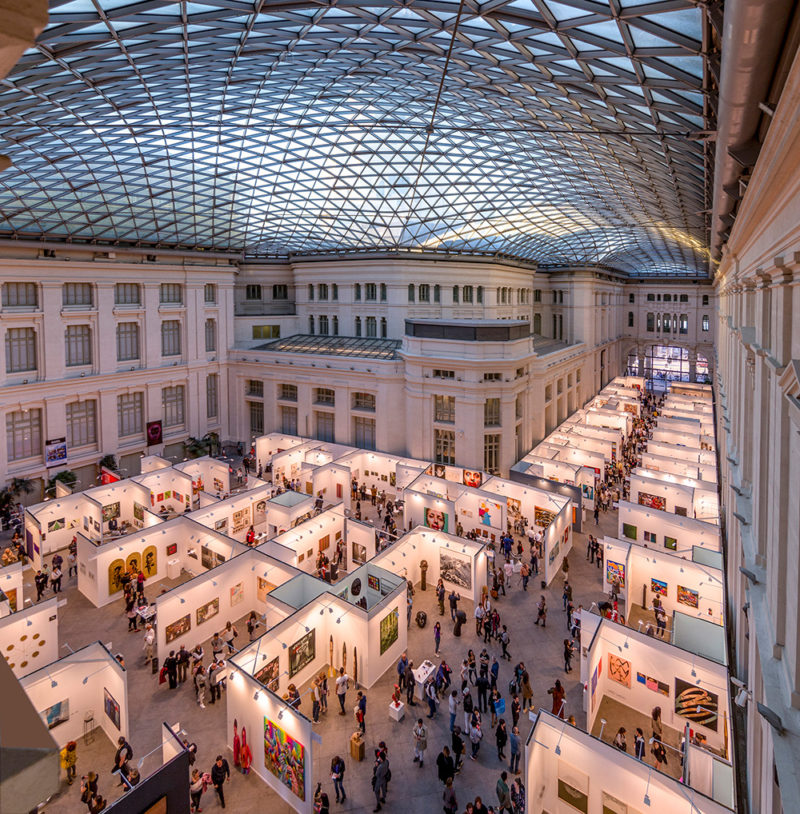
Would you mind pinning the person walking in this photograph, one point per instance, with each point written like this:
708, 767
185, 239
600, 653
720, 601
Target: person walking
503, 794
252, 626
420, 742
216, 673
453, 708
411, 685
362, 712
437, 636
380, 780
228, 635
619, 740
569, 651
55, 579
559, 699
449, 801
475, 736
527, 690
69, 757
132, 614
639, 744
183, 664
149, 643
123, 755
342, 682
40, 580
501, 738
171, 666
468, 706
337, 775
515, 746
402, 666
220, 772
196, 790
453, 599
541, 612
516, 708
482, 685
430, 695
505, 639
316, 704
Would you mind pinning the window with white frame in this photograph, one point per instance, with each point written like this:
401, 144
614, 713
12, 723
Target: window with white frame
456, 291
479, 293
466, 293
212, 395
370, 291
358, 326
384, 328
211, 335
357, 291
334, 291
444, 446
127, 294
254, 387
78, 341
322, 291
279, 292
24, 434
383, 292
172, 405
77, 294
438, 373
324, 327
20, 295
171, 337
81, 423
311, 324
20, 350
364, 432
492, 377
706, 324
171, 294
491, 452
518, 405
444, 409
253, 292
372, 326
127, 341
210, 293
424, 291
130, 414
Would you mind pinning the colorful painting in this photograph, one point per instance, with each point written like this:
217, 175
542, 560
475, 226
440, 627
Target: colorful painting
514, 509
285, 758
542, 517
650, 537
696, 704
587, 491
671, 543
374, 583
115, 571
56, 714
489, 513
11, 596
263, 587
111, 707
619, 670
615, 569
652, 501
359, 553
436, 519
269, 675
630, 531
150, 561
56, 525
218, 485
110, 511
653, 684
389, 629
138, 511
208, 611
172, 548
237, 593
241, 519
178, 628
686, 596
455, 568
473, 479
302, 653
658, 587
133, 562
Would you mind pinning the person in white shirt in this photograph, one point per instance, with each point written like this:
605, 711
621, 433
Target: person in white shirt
149, 643
342, 682
453, 708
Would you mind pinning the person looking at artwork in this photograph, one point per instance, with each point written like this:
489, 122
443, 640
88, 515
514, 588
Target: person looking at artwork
228, 635
337, 775
220, 772
171, 667
123, 755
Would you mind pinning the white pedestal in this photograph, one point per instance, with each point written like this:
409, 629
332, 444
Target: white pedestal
396, 713
173, 569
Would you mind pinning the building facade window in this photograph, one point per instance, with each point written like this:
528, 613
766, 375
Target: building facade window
438, 373
78, 342
537, 294
491, 452
280, 291
651, 322
254, 387
266, 331
81, 423
289, 420
287, 392
491, 412
127, 294
424, 293
372, 327
334, 291
324, 328
518, 406
127, 341
492, 377
705, 323
363, 401
384, 328
325, 425
479, 293
322, 291
364, 432
335, 325
437, 293
77, 294
537, 324
171, 337
630, 319
684, 298
211, 335
370, 291
467, 293
20, 295
212, 396
253, 292
358, 326
130, 414
172, 405
311, 324
357, 292
255, 409
444, 447
24, 434
444, 409
20, 350
210, 294
311, 291
171, 294
324, 395
631, 298
684, 324
411, 292
705, 299
383, 292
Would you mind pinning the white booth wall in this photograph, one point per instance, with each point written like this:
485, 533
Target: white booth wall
12, 584
207, 474
169, 488
557, 542
685, 531
234, 516
673, 494
29, 637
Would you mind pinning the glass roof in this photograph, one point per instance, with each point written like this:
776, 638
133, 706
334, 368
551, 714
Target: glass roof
364, 348
557, 132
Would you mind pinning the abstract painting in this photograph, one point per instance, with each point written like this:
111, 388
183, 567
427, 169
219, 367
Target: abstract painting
359, 553
653, 684
490, 513
573, 787
629, 531
671, 543
615, 569
237, 593
111, 707
208, 611
302, 653
696, 704
285, 758
269, 675
657, 586
110, 511
542, 517
178, 628
374, 583
619, 670
686, 596
56, 714
115, 571
652, 501
56, 525
389, 629
455, 568
138, 511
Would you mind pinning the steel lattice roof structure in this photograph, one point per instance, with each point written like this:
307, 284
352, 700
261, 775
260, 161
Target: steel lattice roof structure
562, 133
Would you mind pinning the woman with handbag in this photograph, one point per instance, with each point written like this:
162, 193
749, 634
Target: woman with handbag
196, 789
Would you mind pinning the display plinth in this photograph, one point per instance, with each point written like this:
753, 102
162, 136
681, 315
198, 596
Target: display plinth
421, 675
397, 711
173, 568
357, 746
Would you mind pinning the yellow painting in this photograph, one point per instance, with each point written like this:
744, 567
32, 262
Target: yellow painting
150, 561
115, 571
134, 562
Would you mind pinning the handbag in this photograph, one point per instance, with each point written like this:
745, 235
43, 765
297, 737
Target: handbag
162, 676
500, 706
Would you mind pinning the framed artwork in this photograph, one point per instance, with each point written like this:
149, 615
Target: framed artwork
221, 525
473, 479
615, 569
553, 553
160, 497
681, 510
671, 543
150, 561
241, 519
115, 571
587, 491
96, 525
324, 542
359, 553
653, 684
686, 596
657, 586
355, 587
168, 494
56, 714
698, 705
138, 511
611, 805
134, 561
263, 587
619, 670
650, 537
111, 707
594, 684
652, 501
110, 511
542, 517
237, 593
438, 471
455, 568
389, 629
302, 653
285, 757
514, 508
435, 519
172, 548
178, 628
344, 594
11, 596
207, 611
56, 525
210, 558
630, 531
219, 486
269, 675
374, 583
490, 513
573, 787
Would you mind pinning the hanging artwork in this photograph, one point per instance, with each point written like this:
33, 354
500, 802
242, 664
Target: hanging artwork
359, 553
573, 787
134, 561
111, 707
681, 510
56, 525
472, 478
110, 511
138, 511
302, 653
696, 704
650, 537
56, 714
172, 548
324, 542
652, 501
542, 517
208, 611
210, 558
263, 587
392, 479
514, 509
611, 805
436, 519
389, 629
218, 485
630, 531
686, 596
587, 491
285, 758
11, 596
374, 583
653, 684
178, 628
259, 512
221, 525
241, 519
150, 561
438, 471
619, 670
615, 569
553, 552
489, 513
671, 543
237, 593
657, 586
115, 571
455, 568
269, 675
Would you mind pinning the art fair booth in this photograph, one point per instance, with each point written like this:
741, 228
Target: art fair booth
171, 491
234, 515
653, 462
566, 770
654, 528
84, 690
29, 637
671, 493
12, 588
208, 475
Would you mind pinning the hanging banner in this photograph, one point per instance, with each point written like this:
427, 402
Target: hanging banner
153, 433
55, 452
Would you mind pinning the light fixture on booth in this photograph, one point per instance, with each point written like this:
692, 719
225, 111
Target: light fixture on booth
255, 696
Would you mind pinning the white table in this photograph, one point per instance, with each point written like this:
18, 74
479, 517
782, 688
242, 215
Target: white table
421, 675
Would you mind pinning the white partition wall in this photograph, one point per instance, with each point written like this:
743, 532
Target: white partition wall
29, 637
657, 529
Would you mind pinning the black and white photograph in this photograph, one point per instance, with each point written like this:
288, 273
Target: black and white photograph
455, 568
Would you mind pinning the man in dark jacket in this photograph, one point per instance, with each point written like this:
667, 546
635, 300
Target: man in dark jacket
457, 748
380, 779
123, 755
220, 771
445, 766
171, 665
